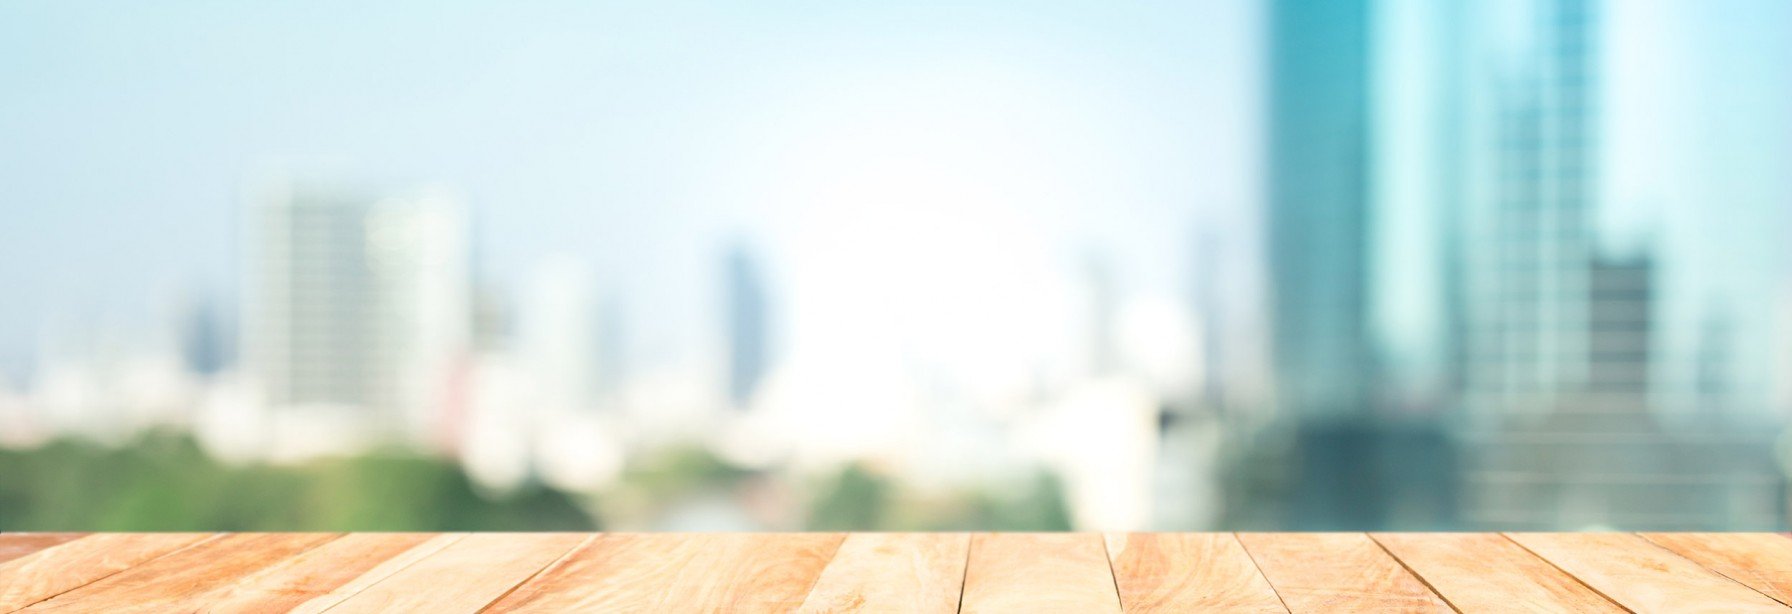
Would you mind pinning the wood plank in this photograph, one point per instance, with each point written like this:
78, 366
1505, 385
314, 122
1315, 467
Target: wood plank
1642, 576
1039, 572
1340, 572
1485, 572
377, 574
613, 573
888, 572
1337, 572
58, 569
1188, 572
311, 574
680, 572
15, 545
467, 575
152, 586
1763, 561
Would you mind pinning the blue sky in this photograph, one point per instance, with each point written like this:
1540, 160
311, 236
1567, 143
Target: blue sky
883, 156
639, 136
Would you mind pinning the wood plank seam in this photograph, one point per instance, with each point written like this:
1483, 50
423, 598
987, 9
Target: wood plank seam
1415, 573
484, 564
1592, 560
409, 557
1784, 598
184, 578
214, 536
1719, 572
1570, 574
544, 568
22, 544
309, 582
812, 580
816, 577
965, 575
1259, 566
407, 565
276, 566
853, 578
1108, 557
1039, 572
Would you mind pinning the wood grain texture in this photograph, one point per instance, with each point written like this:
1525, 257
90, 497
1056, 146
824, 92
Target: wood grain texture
58, 569
1642, 576
680, 572
1039, 572
1188, 572
306, 576
922, 572
613, 573
889, 572
1337, 572
378, 573
1485, 572
153, 585
1763, 561
466, 576
15, 545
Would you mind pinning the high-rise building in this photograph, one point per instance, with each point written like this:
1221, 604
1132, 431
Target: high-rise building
1529, 244
1542, 353
746, 325
1353, 463
558, 336
1603, 456
357, 303
1103, 346
1620, 333
1560, 337
1438, 240
1318, 206
1211, 313
202, 337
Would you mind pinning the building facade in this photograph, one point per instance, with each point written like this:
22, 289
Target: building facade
357, 306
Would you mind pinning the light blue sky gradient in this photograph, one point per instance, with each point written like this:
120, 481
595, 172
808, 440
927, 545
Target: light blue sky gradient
645, 136
619, 132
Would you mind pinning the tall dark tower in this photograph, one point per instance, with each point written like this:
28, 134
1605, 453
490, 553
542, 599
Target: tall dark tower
1318, 192
1318, 201
746, 326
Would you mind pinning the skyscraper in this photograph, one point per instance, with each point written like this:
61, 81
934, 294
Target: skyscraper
1439, 238
203, 348
1318, 203
1352, 465
1533, 284
558, 330
746, 324
1103, 347
357, 303
1561, 335
1529, 248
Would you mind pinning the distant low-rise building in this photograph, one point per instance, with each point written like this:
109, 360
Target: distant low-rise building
357, 307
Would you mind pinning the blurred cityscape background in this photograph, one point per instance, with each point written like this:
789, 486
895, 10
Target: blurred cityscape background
1230, 264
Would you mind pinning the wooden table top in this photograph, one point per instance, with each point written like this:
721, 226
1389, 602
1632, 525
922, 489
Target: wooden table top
920, 572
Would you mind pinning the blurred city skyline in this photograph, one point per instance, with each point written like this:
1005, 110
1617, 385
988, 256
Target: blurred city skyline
634, 138
1366, 263
648, 194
